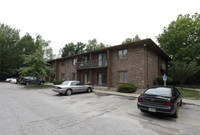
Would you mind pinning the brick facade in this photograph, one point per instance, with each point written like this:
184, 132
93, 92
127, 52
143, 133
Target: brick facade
143, 63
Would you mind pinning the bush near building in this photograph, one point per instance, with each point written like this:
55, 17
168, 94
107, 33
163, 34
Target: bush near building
160, 81
127, 88
58, 82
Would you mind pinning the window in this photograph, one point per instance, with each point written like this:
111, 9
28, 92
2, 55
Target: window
122, 54
67, 76
123, 76
86, 78
74, 61
159, 91
74, 76
62, 76
102, 59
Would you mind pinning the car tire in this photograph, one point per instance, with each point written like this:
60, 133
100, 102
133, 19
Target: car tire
143, 110
27, 83
41, 83
68, 92
175, 115
181, 102
89, 90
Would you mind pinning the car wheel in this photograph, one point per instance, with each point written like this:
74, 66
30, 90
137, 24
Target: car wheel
27, 83
175, 115
41, 83
89, 90
143, 110
68, 92
181, 102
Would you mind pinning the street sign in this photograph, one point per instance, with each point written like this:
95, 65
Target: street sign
164, 79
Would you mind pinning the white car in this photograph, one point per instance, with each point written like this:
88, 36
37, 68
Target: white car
12, 80
69, 87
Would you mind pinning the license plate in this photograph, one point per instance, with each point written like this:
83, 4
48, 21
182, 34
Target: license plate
151, 109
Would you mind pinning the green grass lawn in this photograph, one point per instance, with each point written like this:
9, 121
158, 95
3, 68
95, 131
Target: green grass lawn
38, 86
189, 93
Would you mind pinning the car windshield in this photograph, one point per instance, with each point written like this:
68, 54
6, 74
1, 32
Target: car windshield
159, 91
65, 83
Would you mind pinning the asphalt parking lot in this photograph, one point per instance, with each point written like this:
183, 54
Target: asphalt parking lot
31, 112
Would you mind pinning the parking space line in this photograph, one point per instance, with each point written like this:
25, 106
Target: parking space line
179, 114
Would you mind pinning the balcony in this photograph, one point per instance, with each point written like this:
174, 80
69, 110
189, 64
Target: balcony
92, 64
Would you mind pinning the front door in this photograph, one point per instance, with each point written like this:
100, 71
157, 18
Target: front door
102, 79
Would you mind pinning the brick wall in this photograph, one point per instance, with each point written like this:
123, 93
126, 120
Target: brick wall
134, 65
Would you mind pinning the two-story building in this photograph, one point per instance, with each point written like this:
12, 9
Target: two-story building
138, 63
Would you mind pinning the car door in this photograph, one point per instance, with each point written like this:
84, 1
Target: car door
81, 87
75, 86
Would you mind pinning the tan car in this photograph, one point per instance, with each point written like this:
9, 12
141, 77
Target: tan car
69, 87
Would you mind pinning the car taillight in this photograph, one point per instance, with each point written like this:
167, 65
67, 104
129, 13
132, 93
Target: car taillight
140, 100
168, 103
57, 87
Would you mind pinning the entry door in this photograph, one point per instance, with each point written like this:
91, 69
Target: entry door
102, 79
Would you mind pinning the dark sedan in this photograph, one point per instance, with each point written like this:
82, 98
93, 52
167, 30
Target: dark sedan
160, 99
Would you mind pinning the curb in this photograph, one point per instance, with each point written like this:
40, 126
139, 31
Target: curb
188, 101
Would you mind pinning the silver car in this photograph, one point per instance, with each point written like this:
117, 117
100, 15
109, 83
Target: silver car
69, 87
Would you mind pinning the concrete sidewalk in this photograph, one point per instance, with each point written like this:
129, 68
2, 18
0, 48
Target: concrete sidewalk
132, 95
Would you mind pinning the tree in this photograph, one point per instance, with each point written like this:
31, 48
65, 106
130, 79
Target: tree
131, 40
182, 70
68, 50
181, 39
93, 45
9, 38
35, 64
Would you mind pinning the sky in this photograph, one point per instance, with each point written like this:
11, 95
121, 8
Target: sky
109, 21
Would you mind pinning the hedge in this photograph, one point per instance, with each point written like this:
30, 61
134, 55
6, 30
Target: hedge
127, 88
58, 82
160, 81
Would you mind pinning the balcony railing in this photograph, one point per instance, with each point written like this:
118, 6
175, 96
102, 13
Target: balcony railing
91, 64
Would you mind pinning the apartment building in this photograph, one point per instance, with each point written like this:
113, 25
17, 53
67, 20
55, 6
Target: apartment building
138, 63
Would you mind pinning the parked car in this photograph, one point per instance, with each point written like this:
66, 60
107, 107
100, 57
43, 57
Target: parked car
160, 99
69, 87
12, 80
31, 80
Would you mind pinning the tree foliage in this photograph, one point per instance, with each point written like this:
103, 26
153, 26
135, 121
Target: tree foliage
14, 51
182, 70
36, 63
9, 38
73, 49
131, 40
94, 45
181, 41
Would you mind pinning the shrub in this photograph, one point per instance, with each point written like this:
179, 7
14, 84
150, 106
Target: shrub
127, 88
58, 82
160, 81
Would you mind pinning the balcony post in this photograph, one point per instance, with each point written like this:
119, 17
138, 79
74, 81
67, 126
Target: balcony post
109, 68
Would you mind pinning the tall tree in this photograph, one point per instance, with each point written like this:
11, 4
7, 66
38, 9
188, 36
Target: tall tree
183, 70
35, 63
9, 38
131, 40
181, 41
93, 45
68, 50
